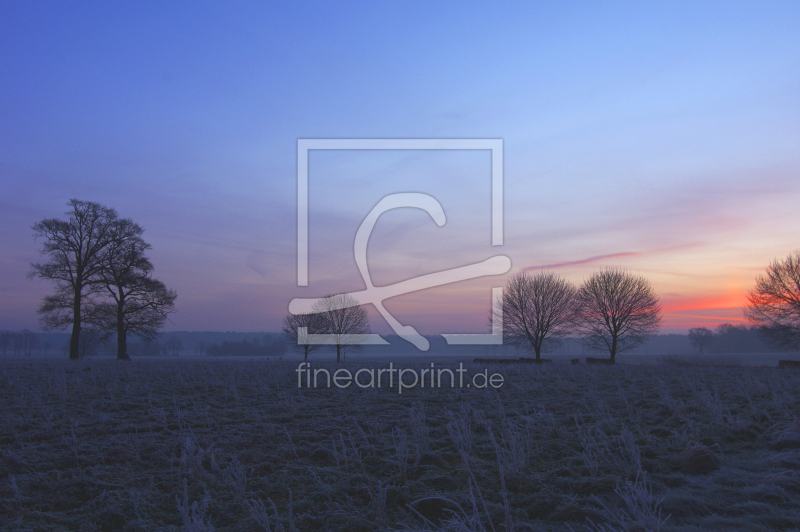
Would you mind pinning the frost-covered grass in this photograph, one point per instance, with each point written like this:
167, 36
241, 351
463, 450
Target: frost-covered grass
235, 445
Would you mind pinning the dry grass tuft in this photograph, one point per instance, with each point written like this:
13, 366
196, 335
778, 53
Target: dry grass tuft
699, 459
789, 437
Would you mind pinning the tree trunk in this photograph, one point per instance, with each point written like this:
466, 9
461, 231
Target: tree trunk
338, 353
122, 334
613, 349
122, 341
76, 327
537, 348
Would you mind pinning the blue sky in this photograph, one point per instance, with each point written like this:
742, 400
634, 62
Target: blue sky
662, 136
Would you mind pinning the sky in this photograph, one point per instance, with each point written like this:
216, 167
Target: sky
662, 137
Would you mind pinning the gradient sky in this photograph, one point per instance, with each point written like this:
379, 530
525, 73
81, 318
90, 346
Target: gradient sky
663, 137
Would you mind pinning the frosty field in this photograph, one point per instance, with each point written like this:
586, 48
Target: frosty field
235, 445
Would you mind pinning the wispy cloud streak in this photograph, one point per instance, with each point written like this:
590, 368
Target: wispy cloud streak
582, 261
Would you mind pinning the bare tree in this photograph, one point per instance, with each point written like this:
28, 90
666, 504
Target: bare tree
617, 310
536, 308
774, 304
90, 342
345, 320
75, 249
138, 304
313, 324
5, 340
701, 338
29, 341
18, 343
173, 345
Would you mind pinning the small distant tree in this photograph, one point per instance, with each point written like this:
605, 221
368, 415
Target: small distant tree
200, 348
46, 346
173, 345
774, 304
299, 341
146, 348
18, 343
345, 320
536, 307
701, 338
29, 341
276, 347
617, 310
90, 341
5, 340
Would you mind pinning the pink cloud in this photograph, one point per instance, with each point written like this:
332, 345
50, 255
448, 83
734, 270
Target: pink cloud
582, 261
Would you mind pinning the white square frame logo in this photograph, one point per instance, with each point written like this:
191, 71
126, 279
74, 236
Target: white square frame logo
495, 146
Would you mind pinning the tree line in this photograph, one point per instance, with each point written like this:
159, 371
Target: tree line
22, 342
103, 278
613, 311
268, 347
104, 285
729, 338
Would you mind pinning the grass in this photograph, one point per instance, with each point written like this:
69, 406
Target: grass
235, 445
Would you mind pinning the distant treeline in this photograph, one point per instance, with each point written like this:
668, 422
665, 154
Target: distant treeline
265, 347
723, 339
175, 344
727, 338
22, 342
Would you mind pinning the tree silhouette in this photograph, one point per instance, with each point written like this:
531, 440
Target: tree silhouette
344, 320
173, 345
292, 323
536, 308
75, 250
5, 340
701, 338
617, 310
138, 304
94, 254
774, 304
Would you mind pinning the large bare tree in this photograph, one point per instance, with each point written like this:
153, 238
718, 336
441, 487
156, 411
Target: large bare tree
313, 324
617, 310
774, 304
75, 249
536, 307
137, 303
345, 320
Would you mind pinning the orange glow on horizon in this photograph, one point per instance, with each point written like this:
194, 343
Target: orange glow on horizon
692, 304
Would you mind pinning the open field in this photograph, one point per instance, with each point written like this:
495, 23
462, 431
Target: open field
235, 445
